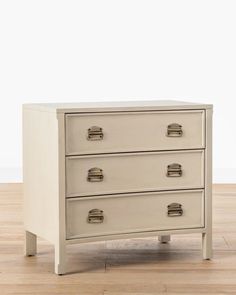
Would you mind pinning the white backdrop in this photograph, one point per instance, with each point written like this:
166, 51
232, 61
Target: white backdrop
117, 50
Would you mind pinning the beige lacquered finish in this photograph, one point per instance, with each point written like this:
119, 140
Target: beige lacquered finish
146, 131
116, 181
135, 213
135, 172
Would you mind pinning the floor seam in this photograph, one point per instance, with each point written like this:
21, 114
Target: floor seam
226, 242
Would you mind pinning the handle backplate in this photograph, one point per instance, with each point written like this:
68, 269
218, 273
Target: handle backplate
174, 170
95, 133
95, 175
95, 216
174, 130
174, 209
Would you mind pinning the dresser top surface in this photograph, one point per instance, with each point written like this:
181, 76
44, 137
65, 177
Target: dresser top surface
83, 107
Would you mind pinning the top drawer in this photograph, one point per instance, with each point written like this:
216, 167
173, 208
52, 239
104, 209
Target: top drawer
134, 131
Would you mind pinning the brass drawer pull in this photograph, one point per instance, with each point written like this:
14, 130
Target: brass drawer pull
174, 130
95, 216
95, 175
175, 209
174, 170
95, 133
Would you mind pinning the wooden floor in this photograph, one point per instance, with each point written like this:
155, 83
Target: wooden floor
138, 266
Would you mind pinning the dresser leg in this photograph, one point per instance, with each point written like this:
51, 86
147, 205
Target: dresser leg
207, 245
164, 239
30, 246
60, 259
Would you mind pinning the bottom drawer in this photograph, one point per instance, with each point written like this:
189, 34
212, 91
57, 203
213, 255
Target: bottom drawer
108, 215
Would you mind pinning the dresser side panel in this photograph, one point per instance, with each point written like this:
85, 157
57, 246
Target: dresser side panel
208, 171
40, 173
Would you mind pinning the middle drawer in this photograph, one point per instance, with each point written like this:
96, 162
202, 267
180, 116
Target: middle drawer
136, 172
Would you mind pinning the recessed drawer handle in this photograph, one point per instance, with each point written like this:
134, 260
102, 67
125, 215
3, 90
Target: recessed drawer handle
95, 133
174, 170
175, 209
174, 130
95, 175
95, 216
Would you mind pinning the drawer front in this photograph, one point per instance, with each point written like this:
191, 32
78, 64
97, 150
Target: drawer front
97, 216
124, 132
120, 173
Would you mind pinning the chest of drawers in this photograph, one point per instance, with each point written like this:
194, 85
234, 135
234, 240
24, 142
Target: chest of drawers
99, 171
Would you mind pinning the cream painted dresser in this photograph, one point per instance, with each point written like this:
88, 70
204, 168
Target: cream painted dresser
99, 171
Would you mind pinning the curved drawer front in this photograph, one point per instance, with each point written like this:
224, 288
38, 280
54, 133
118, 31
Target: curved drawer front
96, 216
120, 173
124, 132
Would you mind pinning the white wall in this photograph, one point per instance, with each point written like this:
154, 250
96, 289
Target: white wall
117, 50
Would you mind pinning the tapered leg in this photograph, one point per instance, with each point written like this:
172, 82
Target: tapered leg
60, 259
207, 245
30, 247
164, 239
